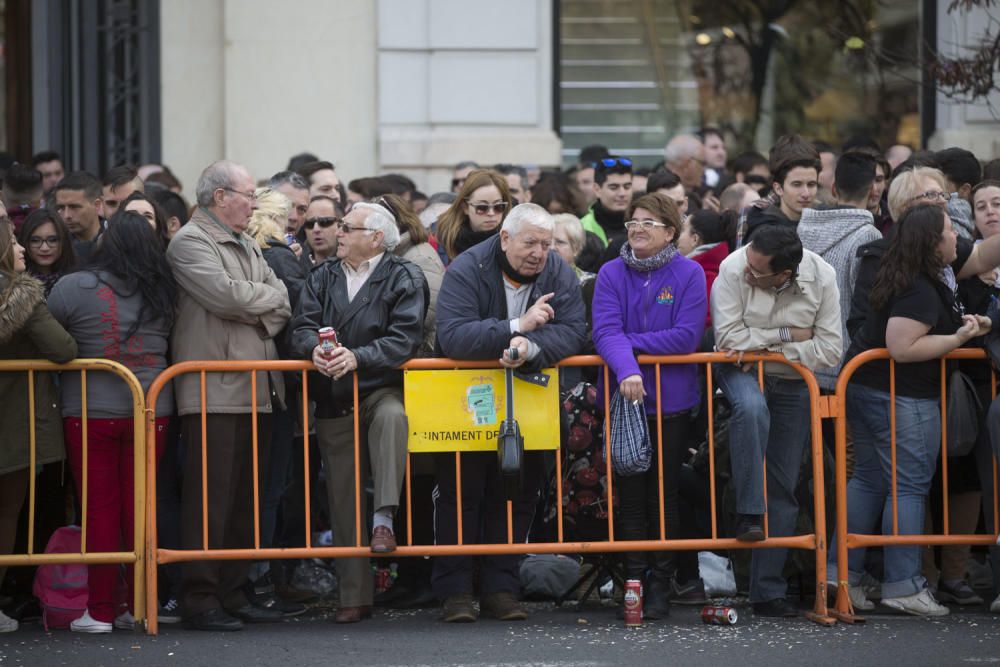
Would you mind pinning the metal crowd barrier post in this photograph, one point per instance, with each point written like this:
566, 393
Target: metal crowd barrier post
156, 556
844, 610
136, 556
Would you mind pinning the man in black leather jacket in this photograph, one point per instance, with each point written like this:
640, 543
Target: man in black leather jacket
376, 302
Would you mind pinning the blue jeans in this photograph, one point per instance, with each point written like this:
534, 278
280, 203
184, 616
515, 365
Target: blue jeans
869, 492
774, 423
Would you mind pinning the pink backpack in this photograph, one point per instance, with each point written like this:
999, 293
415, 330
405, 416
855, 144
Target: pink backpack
62, 589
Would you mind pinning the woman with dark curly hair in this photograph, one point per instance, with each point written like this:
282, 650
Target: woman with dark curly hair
120, 306
914, 313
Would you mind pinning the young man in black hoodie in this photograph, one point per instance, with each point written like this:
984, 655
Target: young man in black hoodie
795, 167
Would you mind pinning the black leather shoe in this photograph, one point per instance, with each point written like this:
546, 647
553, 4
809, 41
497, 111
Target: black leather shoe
286, 608
213, 620
251, 614
779, 608
657, 601
750, 528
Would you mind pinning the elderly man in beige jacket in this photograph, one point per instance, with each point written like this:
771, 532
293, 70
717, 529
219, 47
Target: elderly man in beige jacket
772, 295
231, 307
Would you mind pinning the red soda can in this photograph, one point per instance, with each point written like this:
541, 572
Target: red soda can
328, 341
719, 615
633, 603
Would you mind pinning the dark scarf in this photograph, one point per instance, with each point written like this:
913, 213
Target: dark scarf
467, 238
652, 263
48, 280
509, 271
613, 222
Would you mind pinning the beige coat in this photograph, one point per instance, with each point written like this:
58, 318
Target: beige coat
425, 256
231, 307
749, 318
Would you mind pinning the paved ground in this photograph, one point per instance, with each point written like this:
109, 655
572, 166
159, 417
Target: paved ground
551, 637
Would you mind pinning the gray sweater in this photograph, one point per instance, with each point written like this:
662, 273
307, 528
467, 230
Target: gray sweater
835, 234
97, 316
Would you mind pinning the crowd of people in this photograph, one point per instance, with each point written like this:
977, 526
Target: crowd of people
816, 254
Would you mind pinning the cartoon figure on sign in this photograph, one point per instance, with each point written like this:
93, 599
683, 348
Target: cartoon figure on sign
481, 402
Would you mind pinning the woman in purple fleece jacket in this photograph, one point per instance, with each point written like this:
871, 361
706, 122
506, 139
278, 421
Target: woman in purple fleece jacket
652, 300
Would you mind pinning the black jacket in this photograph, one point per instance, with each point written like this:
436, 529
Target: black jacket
758, 217
383, 326
472, 318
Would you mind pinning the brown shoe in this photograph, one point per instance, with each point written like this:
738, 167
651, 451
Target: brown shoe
459, 609
383, 541
352, 614
503, 606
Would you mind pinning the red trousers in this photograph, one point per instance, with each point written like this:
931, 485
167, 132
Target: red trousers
110, 507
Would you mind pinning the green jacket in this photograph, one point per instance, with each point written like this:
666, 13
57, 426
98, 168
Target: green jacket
28, 331
590, 224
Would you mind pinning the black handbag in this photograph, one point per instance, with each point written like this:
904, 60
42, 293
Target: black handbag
964, 410
510, 446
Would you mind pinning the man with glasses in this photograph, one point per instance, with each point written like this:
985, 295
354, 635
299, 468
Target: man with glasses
320, 230
613, 189
376, 302
771, 296
510, 292
231, 307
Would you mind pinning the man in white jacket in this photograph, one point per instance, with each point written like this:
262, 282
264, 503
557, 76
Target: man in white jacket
772, 295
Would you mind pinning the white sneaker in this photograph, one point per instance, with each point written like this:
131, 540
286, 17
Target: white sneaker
918, 604
859, 600
125, 621
995, 607
90, 625
8, 624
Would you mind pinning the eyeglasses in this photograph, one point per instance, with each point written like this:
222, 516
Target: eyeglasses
486, 209
252, 196
384, 203
932, 195
347, 229
610, 162
758, 276
644, 225
39, 241
322, 222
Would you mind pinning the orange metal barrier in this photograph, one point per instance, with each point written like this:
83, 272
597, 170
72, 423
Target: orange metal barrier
136, 556
155, 555
844, 610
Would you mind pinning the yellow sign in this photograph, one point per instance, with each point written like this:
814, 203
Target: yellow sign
461, 410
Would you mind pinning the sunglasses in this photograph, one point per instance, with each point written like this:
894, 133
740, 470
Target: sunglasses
486, 209
610, 162
322, 222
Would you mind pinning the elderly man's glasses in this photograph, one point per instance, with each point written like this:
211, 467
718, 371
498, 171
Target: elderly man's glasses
486, 209
325, 223
933, 196
252, 196
347, 229
645, 225
38, 241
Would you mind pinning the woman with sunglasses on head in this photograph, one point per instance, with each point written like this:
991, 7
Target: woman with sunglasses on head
49, 247
120, 306
652, 300
483, 202
320, 229
27, 331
